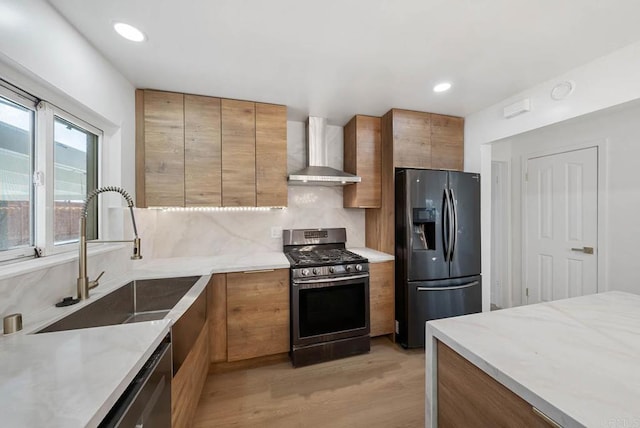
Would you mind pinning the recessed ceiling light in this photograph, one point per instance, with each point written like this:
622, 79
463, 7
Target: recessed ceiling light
129, 32
441, 87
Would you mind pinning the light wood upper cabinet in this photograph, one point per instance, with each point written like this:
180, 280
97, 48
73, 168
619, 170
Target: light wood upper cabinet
381, 298
447, 142
194, 150
257, 314
162, 119
362, 157
202, 151
271, 155
411, 139
238, 153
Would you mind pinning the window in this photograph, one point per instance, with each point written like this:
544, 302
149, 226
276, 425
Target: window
48, 165
75, 175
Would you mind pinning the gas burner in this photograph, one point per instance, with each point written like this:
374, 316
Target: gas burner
322, 257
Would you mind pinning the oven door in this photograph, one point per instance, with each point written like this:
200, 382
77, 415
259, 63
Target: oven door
326, 309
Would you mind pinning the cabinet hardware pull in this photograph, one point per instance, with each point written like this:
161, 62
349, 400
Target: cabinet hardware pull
259, 271
546, 418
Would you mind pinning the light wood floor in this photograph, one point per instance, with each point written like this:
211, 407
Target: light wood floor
384, 389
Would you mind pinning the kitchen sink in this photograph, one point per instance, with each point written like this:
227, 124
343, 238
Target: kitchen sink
137, 301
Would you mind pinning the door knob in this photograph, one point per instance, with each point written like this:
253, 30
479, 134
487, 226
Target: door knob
586, 250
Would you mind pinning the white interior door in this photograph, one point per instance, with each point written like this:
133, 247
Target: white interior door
561, 226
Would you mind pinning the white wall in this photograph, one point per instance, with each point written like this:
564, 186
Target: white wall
619, 127
42, 54
605, 82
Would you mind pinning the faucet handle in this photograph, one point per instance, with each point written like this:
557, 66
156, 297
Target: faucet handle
95, 282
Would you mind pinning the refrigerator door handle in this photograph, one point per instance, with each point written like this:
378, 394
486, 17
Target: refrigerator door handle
457, 287
454, 233
446, 231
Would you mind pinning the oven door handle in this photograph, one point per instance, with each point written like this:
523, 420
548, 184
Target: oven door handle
325, 280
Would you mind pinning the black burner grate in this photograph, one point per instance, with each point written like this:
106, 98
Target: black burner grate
323, 256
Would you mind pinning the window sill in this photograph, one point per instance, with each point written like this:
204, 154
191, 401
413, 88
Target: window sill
32, 265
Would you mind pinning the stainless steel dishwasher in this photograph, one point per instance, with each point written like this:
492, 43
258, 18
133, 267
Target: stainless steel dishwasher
146, 403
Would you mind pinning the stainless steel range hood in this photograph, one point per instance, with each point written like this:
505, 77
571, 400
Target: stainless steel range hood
318, 172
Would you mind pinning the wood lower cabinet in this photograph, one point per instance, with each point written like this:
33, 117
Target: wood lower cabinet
187, 384
190, 348
381, 298
257, 314
217, 318
363, 157
467, 396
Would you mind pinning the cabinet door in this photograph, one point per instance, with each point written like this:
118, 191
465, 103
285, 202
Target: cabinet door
362, 157
381, 298
447, 142
217, 316
467, 396
411, 139
271, 155
257, 314
164, 148
202, 151
238, 153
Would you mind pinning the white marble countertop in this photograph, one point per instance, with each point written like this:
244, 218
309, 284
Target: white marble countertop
206, 265
374, 256
577, 360
72, 378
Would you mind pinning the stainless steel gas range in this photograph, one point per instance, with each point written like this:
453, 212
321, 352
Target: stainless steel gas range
329, 296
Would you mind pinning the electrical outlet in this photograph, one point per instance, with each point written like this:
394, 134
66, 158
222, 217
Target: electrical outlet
276, 232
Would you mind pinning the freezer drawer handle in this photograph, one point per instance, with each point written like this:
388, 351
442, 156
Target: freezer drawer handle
471, 284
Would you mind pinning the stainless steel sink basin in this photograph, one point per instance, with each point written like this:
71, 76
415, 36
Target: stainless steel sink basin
137, 301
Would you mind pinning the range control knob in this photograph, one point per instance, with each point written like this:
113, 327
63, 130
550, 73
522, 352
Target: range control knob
332, 269
305, 272
347, 268
358, 268
315, 271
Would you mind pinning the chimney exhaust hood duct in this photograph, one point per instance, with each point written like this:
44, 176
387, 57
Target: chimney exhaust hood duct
318, 172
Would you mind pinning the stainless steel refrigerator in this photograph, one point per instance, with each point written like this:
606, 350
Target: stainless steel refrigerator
437, 229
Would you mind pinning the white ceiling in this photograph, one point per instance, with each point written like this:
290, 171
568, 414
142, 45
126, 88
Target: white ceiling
336, 58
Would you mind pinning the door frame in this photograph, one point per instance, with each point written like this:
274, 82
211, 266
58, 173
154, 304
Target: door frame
501, 236
602, 146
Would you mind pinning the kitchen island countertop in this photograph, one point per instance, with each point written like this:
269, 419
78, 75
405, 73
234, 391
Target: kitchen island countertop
577, 360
